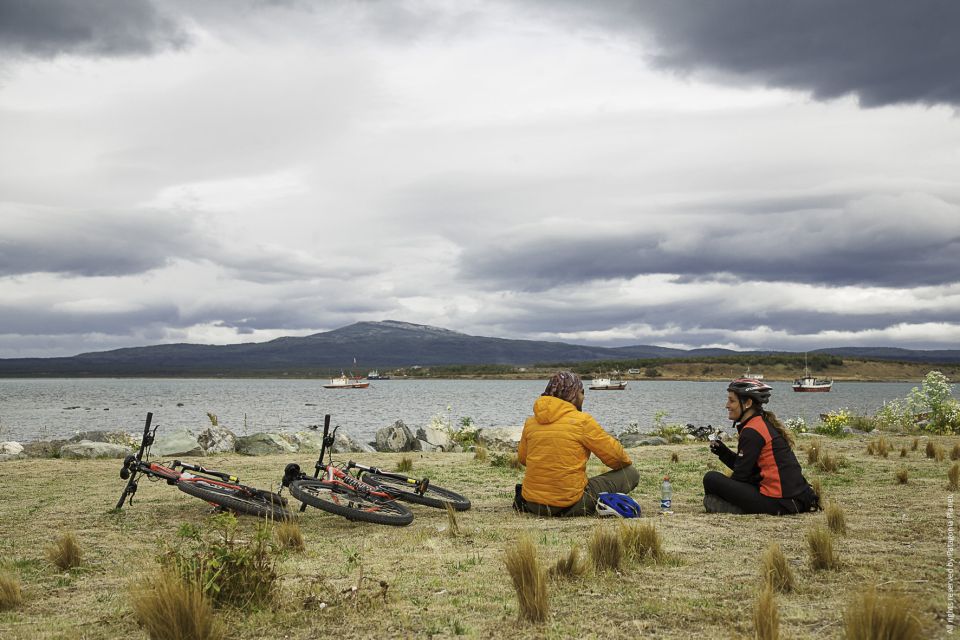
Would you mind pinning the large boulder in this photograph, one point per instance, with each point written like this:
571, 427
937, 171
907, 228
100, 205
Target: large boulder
182, 442
113, 437
397, 437
500, 438
423, 445
435, 439
264, 444
11, 451
88, 449
305, 442
43, 448
343, 443
217, 439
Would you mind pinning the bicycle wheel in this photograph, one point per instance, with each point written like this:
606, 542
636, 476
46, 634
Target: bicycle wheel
349, 503
253, 502
434, 496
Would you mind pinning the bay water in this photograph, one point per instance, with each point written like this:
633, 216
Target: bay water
35, 409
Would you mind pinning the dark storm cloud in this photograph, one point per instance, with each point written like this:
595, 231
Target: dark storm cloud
30, 321
47, 28
902, 241
882, 51
34, 240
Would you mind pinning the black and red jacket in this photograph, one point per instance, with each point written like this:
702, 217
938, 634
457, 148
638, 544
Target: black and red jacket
764, 458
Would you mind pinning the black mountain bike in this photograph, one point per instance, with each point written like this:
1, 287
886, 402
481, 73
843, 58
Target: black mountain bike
371, 495
216, 487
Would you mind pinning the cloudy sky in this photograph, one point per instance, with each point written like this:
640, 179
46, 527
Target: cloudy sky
745, 174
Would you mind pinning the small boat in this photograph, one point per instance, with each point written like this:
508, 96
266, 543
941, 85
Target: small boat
347, 382
614, 383
809, 383
375, 375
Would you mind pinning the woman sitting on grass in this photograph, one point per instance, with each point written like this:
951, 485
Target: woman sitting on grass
556, 443
766, 475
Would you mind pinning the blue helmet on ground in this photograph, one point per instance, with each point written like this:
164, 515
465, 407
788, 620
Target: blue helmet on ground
617, 504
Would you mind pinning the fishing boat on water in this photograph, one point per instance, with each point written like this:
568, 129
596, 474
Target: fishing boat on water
612, 383
376, 375
811, 384
347, 382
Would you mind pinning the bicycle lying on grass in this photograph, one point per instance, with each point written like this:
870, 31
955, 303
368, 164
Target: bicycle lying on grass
372, 495
217, 488
705, 434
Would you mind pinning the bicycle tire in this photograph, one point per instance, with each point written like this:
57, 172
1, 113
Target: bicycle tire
262, 503
434, 496
349, 503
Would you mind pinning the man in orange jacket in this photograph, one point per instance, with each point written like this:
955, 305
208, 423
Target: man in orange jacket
556, 443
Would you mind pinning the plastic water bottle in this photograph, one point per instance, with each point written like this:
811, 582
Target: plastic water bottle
666, 496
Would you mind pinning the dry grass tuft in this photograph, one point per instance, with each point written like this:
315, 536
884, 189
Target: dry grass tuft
641, 541
775, 570
11, 596
903, 452
453, 527
813, 453
65, 552
836, 519
818, 488
903, 475
405, 464
955, 452
572, 566
171, 609
828, 463
674, 457
606, 548
939, 454
931, 449
766, 618
870, 616
529, 580
871, 450
953, 476
820, 543
289, 535
480, 453
915, 444
883, 447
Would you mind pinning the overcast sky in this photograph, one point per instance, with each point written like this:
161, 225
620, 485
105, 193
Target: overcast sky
745, 174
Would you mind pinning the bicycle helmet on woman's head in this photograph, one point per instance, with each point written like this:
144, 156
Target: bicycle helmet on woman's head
756, 390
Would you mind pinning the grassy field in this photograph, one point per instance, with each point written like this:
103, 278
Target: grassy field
422, 581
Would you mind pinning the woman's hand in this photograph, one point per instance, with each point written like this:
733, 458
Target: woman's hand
717, 447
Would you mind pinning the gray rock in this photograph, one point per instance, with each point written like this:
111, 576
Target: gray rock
264, 444
113, 437
217, 439
652, 441
88, 449
439, 439
500, 438
11, 448
631, 439
43, 448
852, 431
395, 438
423, 445
182, 442
343, 443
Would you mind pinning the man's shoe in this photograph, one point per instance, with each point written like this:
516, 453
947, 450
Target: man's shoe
716, 504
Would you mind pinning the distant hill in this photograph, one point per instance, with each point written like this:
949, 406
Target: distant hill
381, 345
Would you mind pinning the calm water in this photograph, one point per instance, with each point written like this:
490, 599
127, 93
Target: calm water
43, 409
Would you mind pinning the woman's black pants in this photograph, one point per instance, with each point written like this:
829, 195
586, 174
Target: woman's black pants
746, 496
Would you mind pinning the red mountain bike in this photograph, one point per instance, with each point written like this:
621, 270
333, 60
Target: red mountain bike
371, 496
217, 488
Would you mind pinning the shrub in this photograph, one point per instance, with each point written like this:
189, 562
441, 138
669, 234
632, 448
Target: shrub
171, 609
903, 475
798, 424
480, 453
606, 548
506, 460
65, 552
664, 430
934, 400
405, 464
229, 570
894, 416
570, 566
953, 476
832, 424
529, 580
820, 543
870, 616
641, 541
289, 535
766, 618
11, 595
775, 570
813, 453
836, 519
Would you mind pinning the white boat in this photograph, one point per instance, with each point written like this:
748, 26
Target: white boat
601, 383
375, 375
809, 383
346, 382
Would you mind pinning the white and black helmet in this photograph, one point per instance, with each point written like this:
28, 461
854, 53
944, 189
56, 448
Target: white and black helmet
756, 390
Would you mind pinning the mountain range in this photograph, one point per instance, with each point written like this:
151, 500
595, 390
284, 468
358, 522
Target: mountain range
387, 344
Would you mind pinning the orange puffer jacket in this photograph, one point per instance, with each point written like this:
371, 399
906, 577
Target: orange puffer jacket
556, 443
